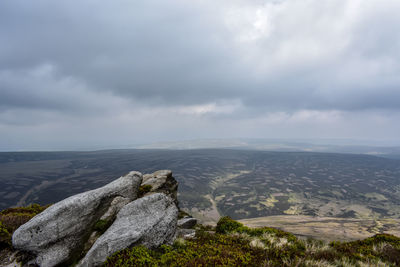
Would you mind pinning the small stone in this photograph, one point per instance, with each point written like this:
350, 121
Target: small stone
185, 233
187, 223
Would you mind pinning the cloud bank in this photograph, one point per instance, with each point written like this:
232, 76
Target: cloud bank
77, 74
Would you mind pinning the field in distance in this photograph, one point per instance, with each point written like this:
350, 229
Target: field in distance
327, 228
213, 182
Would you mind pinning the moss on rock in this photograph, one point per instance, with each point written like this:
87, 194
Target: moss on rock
143, 189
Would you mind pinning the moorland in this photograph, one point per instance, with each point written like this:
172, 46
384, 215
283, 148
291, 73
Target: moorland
358, 191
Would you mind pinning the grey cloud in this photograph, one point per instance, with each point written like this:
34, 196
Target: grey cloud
145, 50
174, 53
43, 90
191, 64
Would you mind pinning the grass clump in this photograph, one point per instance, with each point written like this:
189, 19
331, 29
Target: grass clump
101, 226
227, 225
378, 247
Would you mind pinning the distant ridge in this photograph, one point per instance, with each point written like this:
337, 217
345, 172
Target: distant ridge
286, 145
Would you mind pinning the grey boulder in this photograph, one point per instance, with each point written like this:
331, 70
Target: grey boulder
149, 221
58, 234
187, 223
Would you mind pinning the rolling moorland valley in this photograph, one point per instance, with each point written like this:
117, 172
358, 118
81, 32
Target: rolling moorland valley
322, 198
352, 195
200, 133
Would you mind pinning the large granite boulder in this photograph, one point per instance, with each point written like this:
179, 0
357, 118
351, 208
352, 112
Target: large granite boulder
58, 235
162, 182
149, 221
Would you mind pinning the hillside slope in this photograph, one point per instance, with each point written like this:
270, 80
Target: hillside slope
217, 182
232, 244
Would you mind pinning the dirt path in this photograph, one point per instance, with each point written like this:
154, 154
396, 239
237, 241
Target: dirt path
46, 183
211, 215
41, 186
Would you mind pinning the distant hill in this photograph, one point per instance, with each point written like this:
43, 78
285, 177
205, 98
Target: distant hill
377, 148
214, 182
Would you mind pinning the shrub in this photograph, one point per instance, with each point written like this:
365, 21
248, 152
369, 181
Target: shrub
5, 236
227, 225
206, 250
136, 256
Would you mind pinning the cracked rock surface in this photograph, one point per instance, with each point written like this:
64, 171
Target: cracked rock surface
149, 221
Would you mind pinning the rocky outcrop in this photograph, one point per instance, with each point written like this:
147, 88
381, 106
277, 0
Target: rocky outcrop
149, 221
162, 182
102, 221
58, 233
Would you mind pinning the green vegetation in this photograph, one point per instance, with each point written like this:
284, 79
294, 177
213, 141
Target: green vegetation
379, 247
12, 218
101, 226
227, 225
233, 244
5, 236
143, 189
206, 250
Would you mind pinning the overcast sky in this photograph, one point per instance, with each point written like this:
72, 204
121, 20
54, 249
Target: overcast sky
94, 73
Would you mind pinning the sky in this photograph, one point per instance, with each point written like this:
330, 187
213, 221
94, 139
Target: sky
94, 73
